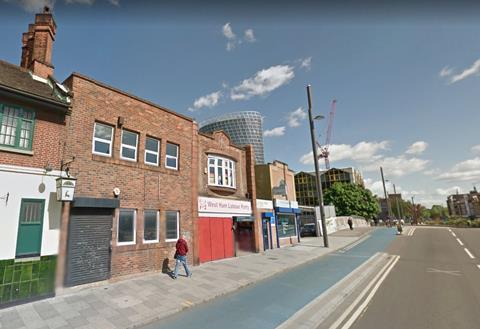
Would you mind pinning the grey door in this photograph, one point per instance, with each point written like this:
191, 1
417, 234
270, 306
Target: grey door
89, 237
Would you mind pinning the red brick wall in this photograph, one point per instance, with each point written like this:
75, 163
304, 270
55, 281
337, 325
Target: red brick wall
142, 186
47, 142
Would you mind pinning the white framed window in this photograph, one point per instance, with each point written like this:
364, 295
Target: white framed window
152, 151
221, 172
128, 150
102, 139
150, 226
171, 157
172, 225
126, 228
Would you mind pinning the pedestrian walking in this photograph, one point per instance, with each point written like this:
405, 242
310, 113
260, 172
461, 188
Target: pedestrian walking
181, 256
350, 223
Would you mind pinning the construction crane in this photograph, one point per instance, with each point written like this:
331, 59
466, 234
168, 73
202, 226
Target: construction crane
323, 150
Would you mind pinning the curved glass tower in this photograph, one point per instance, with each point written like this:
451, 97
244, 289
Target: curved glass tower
243, 128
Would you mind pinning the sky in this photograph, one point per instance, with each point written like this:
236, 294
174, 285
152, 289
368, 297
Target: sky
406, 77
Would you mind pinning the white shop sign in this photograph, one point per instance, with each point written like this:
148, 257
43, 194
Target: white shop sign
215, 205
264, 204
282, 203
294, 204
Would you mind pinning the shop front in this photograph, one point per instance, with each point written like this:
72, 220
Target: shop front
269, 231
286, 213
225, 228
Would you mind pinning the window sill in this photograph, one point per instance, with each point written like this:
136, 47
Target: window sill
121, 244
171, 240
14, 150
150, 241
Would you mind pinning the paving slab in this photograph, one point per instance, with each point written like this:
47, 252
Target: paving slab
142, 299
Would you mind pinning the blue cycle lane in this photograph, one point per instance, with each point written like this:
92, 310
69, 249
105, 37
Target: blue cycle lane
272, 301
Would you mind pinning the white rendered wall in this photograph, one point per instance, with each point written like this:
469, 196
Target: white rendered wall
23, 182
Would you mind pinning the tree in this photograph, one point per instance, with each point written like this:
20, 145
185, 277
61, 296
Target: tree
352, 199
438, 212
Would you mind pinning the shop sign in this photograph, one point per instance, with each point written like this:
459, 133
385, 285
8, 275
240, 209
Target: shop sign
65, 188
282, 203
215, 205
264, 204
294, 204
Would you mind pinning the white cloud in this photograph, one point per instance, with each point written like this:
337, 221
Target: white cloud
228, 32
445, 72
463, 171
207, 101
275, 132
397, 166
249, 36
114, 2
295, 117
448, 190
263, 82
306, 63
417, 148
472, 70
363, 151
33, 6
431, 172
475, 149
81, 2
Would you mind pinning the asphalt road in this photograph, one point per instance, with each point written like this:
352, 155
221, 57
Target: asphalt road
270, 302
434, 285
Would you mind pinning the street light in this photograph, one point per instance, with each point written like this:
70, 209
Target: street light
317, 173
396, 198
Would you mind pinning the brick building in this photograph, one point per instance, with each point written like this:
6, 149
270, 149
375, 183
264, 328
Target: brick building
33, 111
227, 222
275, 182
134, 163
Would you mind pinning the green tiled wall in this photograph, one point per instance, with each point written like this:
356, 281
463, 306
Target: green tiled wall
27, 280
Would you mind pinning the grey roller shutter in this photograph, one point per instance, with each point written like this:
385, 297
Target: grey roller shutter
89, 237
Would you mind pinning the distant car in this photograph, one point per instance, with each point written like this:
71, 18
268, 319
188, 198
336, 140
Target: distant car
308, 230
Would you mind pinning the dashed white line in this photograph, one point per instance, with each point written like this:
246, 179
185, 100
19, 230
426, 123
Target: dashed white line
454, 234
478, 267
469, 253
412, 230
459, 241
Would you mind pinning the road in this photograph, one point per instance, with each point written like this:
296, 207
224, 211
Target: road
270, 302
434, 284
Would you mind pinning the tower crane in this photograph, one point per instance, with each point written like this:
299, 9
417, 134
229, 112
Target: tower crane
324, 150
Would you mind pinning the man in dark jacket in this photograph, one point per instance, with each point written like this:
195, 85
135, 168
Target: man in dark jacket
181, 256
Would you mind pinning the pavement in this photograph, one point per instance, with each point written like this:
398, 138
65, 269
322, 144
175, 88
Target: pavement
147, 298
270, 303
434, 284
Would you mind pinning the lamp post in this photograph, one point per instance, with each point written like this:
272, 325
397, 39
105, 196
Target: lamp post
317, 173
396, 198
414, 211
385, 192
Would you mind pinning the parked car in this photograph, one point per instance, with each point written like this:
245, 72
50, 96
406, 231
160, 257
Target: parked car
308, 230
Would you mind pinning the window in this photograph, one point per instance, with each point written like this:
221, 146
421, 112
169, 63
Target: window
152, 151
126, 227
102, 139
150, 226
171, 160
286, 225
128, 151
172, 225
16, 128
221, 172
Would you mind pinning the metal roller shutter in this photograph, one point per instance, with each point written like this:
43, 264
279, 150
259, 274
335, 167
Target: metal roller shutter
89, 237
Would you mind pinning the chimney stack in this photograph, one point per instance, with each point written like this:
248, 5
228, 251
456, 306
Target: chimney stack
37, 44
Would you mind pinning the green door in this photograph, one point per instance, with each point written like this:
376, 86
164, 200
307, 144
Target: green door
29, 239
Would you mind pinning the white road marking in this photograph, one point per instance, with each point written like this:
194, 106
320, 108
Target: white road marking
434, 270
469, 253
449, 230
461, 243
478, 267
454, 234
412, 230
360, 309
363, 293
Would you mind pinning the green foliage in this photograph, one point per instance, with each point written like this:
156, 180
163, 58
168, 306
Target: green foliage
352, 199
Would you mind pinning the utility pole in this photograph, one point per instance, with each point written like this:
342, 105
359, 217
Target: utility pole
385, 192
317, 172
413, 209
396, 199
